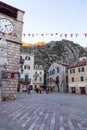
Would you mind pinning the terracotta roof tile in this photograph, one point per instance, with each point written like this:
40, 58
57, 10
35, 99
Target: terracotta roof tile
85, 55
77, 64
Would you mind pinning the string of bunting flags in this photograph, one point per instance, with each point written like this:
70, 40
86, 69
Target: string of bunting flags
13, 34
18, 35
55, 34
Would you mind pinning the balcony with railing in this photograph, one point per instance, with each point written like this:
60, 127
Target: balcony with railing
24, 81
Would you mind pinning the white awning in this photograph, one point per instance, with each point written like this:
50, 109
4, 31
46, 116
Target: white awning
82, 85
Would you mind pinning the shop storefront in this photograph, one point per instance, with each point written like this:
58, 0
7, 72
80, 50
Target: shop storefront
73, 89
82, 90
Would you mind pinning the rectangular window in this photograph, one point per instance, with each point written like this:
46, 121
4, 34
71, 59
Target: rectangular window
40, 79
28, 58
81, 69
72, 71
81, 78
28, 67
20, 57
53, 71
40, 73
72, 79
57, 69
26, 77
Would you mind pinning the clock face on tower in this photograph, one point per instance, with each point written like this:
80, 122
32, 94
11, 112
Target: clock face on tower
6, 26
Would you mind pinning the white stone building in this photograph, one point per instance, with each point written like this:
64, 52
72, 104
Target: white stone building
57, 77
29, 74
26, 71
38, 76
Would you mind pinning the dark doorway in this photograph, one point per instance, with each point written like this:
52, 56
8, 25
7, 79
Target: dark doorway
82, 90
73, 90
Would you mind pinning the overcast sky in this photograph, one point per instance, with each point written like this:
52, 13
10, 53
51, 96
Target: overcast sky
53, 16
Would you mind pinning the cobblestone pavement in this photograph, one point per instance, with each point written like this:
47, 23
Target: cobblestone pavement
44, 112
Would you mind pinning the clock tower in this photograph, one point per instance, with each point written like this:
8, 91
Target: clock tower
11, 26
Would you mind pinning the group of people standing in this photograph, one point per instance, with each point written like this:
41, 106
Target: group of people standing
40, 89
37, 90
49, 89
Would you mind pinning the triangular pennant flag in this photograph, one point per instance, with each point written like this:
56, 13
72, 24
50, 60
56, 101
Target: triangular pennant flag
71, 35
51, 34
19, 35
76, 34
24, 34
6, 34
61, 35
85, 34
65, 35
42, 34
29, 34
32, 35
10, 34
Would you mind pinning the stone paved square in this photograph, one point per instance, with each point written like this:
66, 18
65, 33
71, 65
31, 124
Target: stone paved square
56, 111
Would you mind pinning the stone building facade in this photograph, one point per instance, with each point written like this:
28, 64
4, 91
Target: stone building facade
26, 71
77, 76
57, 77
38, 76
11, 37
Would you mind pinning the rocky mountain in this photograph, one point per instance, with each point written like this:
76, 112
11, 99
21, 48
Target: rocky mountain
63, 51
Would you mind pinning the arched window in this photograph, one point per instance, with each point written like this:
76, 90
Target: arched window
36, 66
40, 67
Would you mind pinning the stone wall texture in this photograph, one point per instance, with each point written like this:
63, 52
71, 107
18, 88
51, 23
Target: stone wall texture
9, 72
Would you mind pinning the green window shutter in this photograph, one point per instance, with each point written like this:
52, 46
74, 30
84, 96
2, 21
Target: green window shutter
29, 67
73, 70
81, 78
57, 69
79, 69
82, 69
26, 77
25, 67
72, 79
